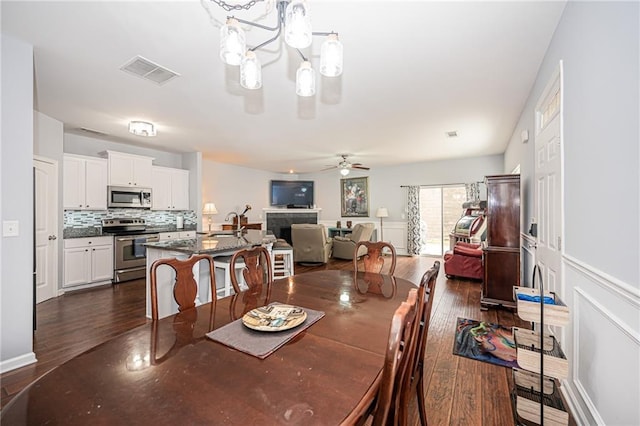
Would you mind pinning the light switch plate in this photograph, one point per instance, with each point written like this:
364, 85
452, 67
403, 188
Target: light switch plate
10, 228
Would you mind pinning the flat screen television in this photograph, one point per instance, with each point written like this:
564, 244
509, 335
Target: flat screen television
292, 193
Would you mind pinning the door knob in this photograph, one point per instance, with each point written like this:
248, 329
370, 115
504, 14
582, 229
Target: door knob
52, 237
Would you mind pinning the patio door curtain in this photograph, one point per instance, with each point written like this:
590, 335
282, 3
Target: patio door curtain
413, 217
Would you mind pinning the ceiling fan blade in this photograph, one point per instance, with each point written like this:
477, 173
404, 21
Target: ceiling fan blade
355, 166
329, 168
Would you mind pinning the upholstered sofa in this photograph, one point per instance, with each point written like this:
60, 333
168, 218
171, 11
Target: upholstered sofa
465, 260
310, 243
343, 247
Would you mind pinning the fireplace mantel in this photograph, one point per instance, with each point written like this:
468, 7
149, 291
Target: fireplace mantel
285, 210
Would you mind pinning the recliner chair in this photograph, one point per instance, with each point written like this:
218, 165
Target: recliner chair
310, 243
465, 260
344, 247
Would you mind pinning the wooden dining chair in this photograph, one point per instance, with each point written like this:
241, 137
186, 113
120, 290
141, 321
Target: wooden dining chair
383, 405
257, 271
185, 287
374, 260
414, 379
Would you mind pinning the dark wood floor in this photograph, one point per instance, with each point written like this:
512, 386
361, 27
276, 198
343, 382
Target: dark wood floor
459, 391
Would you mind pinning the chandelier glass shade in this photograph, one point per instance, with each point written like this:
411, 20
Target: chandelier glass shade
294, 19
331, 56
297, 25
305, 80
250, 71
232, 43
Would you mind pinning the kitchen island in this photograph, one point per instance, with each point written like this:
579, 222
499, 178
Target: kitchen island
223, 243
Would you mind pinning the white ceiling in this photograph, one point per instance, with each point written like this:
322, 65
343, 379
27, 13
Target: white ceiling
413, 70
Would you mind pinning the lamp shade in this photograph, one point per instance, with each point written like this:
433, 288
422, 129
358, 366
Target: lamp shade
210, 208
382, 212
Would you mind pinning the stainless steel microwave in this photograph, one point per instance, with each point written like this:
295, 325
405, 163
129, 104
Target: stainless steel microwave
129, 197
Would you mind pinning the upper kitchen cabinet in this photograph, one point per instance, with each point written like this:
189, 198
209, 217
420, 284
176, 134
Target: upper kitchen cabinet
170, 188
129, 169
84, 183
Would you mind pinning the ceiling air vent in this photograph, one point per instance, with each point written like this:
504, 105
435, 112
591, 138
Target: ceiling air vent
92, 132
148, 70
452, 134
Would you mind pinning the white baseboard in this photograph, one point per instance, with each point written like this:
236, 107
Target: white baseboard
17, 362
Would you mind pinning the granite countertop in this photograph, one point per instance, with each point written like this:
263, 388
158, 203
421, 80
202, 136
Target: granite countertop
216, 243
96, 231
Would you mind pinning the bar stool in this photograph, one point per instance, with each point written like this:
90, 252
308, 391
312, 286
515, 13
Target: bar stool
223, 263
282, 259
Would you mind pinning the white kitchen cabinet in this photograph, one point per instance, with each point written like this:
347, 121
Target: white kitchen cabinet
170, 188
181, 235
88, 261
84, 183
129, 169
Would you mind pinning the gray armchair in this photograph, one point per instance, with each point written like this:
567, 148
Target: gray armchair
344, 247
310, 243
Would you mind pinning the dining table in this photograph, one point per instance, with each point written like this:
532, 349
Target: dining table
172, 371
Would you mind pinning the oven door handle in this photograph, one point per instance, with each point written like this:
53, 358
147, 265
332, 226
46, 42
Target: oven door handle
150, 239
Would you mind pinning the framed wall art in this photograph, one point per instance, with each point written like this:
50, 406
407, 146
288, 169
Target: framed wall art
354, 197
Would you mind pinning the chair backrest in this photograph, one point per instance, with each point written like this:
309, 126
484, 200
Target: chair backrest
362, 232
185, 287
396, 361
426, 293
310, 243
373, 260
257, 270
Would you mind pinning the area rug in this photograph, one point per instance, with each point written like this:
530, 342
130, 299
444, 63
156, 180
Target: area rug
484, 341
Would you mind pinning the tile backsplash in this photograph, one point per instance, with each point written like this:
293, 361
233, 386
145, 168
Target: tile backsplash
86, 218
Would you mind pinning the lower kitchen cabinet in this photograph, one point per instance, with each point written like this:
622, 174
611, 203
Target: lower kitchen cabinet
178, 235
88, 261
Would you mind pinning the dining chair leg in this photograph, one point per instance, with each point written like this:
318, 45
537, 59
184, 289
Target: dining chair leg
421, 401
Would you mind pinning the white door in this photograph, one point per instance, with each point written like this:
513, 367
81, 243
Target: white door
46, 227
549, 208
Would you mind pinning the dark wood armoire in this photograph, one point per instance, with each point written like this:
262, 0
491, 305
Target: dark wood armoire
502, 252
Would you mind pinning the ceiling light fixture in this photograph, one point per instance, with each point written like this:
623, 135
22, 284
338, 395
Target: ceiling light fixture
344, 171
142, 128
293, 16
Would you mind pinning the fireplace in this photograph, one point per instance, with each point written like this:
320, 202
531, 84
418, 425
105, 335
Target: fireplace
279, 222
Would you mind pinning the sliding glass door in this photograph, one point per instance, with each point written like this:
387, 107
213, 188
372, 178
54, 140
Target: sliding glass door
440, 209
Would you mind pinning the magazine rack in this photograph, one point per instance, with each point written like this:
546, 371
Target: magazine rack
536, 396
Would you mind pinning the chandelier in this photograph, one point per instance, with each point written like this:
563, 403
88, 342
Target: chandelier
295, 22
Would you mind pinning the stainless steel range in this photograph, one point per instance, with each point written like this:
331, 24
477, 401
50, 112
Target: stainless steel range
130, 254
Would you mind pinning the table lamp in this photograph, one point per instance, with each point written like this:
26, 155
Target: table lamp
382, 212
209, 209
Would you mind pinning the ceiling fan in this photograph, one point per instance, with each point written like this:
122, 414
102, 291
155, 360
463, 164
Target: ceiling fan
345, 165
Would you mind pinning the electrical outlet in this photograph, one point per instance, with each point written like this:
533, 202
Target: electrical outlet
10, 228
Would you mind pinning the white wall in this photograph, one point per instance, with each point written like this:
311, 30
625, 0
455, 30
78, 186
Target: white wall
16, 282
92, 147
231, 187
385, 183
599, 44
